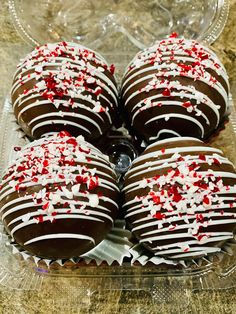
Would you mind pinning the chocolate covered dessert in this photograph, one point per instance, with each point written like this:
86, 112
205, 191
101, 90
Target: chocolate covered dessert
175, 88
64, 86
180, 199
59, 197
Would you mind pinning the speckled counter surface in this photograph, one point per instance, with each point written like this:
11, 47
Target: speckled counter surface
49, 298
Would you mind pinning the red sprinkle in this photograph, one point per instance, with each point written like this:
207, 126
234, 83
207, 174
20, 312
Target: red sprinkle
93, 183
45, 163
72, 141
80, 179
187, 104
177, 197
166, 92
17, 149
40, 218
206, 200
216, 161
64, 134
201, 236
202, 157
45, 206
112, 69
174, 35
98, 91
84, 150
159, 216
199, 218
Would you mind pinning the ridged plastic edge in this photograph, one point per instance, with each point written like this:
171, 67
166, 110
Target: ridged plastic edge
219, 23
18, 26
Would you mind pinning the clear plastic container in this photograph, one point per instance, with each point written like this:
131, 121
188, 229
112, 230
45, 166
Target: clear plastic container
117, 29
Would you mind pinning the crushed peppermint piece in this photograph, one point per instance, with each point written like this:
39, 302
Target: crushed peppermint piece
173, 35
182, 205
170, 74
166, 92
71, 78
59, 176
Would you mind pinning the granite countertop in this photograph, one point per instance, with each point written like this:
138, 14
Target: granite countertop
49, 299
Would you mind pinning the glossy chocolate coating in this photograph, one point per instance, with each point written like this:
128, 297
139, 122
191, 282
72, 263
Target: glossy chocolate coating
64, 86
176, 88
59, 198
180, 199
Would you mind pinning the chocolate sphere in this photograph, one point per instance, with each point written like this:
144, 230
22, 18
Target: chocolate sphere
180, 199
176, 88
59, 197
64, 86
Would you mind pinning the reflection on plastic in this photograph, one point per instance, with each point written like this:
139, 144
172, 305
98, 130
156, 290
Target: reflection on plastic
121, 153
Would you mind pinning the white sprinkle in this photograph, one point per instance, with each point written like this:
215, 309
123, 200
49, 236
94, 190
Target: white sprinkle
90, 80
76, 189
68, 194
93, 200
26, 217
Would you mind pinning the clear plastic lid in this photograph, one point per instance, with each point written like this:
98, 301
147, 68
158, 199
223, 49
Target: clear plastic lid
116, 26
117, 29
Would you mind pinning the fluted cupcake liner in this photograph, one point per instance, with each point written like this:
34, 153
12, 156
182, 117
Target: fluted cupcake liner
114, 248
140, 255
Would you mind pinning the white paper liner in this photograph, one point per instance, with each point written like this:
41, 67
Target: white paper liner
141, 255
114, 248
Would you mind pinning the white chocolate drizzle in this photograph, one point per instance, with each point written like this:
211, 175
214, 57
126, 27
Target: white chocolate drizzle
176, 72
57, 178
176, 203
66, 78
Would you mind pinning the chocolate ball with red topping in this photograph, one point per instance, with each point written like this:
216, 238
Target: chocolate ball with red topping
175, 88
59, 197
64, 86
180, 199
